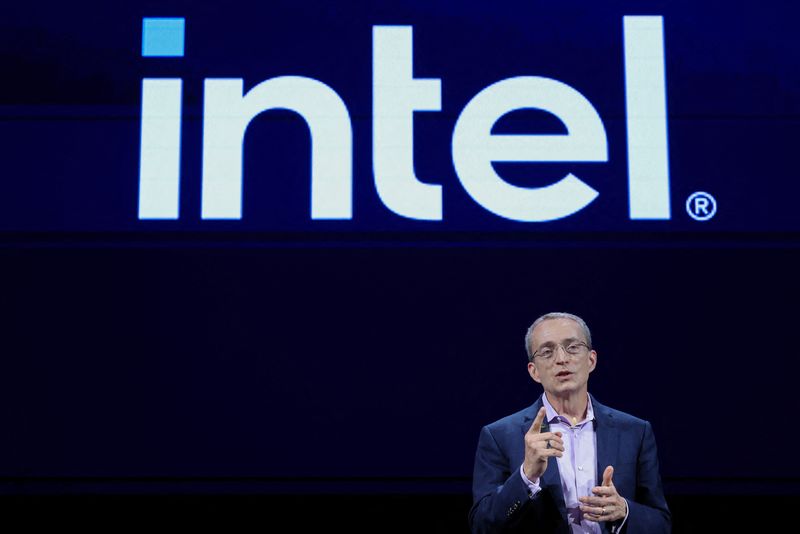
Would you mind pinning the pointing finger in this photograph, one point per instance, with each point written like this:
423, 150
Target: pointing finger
536, 427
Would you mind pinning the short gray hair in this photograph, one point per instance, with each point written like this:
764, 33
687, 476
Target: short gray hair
555, 315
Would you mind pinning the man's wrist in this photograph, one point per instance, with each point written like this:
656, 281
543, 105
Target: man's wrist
532, 485
616, 526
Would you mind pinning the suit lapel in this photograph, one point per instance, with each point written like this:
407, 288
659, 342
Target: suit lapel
607, 439
551, 479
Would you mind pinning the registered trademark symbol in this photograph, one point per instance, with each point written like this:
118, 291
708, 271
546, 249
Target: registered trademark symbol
701, 206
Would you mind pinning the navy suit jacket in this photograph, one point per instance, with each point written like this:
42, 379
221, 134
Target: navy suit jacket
500, 497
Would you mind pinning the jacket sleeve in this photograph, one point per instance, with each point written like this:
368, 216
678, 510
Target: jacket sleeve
500, 496
648, 511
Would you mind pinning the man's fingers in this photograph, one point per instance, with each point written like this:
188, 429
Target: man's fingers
597, 518
603, 491
594, 510
607, 475
596, 501
552, 436
536, 427
556, 443
602, 512
542, 438
549, 453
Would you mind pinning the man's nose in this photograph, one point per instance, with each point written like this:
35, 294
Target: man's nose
560, 355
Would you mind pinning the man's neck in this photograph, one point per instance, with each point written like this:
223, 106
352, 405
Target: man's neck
572, 406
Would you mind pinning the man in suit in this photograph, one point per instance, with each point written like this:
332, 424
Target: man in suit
567, 464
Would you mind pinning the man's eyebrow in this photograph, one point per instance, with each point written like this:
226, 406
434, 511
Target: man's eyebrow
563, 341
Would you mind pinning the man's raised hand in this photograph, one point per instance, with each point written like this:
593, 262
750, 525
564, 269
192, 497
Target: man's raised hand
606, 504
539, 446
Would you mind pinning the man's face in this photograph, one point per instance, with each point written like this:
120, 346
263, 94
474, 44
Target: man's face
564, 373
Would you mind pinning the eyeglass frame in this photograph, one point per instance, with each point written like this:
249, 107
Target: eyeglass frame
554, 348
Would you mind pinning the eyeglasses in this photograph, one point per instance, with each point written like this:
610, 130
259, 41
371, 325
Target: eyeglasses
575, 348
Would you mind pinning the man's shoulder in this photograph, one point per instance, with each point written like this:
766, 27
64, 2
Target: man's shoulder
623, 419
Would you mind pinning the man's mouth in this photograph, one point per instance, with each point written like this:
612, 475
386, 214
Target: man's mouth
563, 374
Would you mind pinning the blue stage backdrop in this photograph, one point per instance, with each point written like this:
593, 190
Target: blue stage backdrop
295, 246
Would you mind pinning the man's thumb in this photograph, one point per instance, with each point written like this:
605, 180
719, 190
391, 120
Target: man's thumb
607, 475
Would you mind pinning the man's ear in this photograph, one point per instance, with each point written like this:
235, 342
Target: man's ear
592, 360
534, 372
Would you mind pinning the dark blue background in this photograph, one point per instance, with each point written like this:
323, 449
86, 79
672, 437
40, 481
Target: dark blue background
363, 354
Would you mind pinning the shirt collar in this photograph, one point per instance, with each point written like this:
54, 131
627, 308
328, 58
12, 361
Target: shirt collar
553, 417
